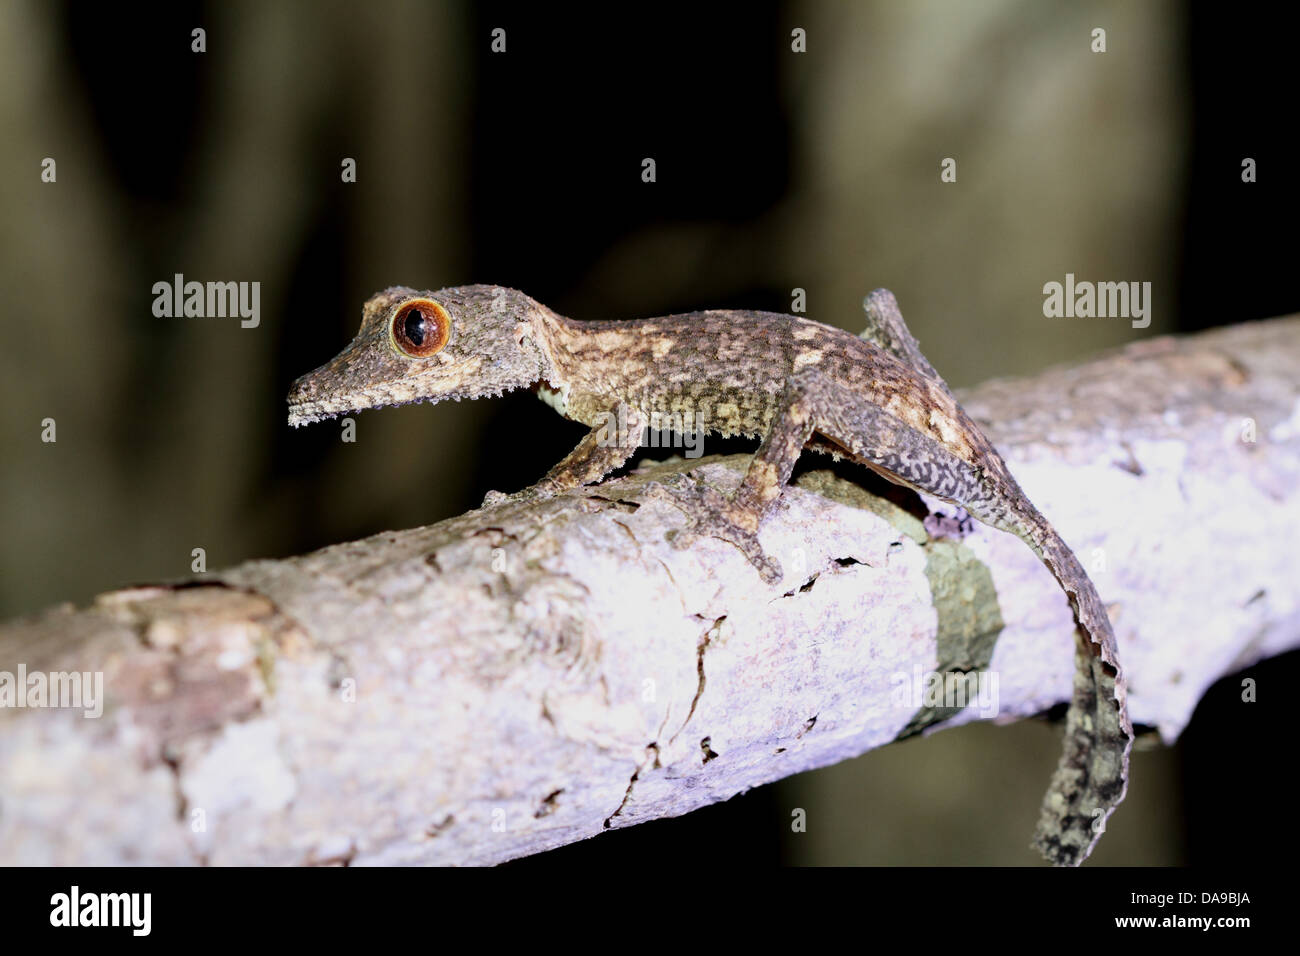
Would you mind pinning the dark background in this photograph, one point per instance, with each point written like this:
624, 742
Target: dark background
775, 170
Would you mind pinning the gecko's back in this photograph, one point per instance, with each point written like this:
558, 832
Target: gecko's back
733, 369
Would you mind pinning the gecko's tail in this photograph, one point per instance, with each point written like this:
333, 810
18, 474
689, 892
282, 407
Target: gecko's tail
1092, 777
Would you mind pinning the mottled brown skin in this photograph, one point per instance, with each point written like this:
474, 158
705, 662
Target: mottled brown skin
796, 383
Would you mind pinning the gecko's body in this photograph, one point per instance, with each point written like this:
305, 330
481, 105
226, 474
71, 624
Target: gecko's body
796, 383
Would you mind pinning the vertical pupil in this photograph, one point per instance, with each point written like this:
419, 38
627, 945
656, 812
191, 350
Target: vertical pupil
415, 327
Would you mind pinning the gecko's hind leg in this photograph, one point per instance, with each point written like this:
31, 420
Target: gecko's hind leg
886, 329
736, 519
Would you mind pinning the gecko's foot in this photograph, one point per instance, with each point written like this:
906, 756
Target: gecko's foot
539, 492
713, 515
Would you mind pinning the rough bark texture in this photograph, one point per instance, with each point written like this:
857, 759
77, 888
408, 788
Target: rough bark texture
525, 676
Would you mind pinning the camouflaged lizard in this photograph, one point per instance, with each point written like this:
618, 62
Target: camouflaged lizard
798, 384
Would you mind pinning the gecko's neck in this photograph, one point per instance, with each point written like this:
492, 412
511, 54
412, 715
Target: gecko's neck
557, 339
585, 364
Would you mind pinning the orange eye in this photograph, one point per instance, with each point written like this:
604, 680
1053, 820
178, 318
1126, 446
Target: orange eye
421, 328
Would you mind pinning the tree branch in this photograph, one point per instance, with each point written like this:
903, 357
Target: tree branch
527, 675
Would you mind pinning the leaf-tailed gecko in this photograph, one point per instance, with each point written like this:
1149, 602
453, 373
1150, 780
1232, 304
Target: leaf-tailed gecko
798, 384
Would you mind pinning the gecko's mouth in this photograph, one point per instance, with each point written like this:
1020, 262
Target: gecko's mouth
305, 413
307, 404
340, 389
306, 410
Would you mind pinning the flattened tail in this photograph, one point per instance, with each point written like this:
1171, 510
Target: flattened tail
1092, 776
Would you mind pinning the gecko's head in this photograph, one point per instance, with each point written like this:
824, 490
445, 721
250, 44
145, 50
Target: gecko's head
466, 342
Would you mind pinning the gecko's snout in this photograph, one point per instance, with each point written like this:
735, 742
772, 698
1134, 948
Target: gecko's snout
305, 400
302, 388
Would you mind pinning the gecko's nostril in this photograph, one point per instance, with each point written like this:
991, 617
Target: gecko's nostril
301, 389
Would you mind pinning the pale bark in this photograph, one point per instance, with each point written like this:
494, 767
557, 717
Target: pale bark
528, 675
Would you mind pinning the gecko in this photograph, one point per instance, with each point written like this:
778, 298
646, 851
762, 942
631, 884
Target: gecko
791, 382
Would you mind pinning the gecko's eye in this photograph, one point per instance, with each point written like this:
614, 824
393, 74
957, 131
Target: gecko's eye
421, 328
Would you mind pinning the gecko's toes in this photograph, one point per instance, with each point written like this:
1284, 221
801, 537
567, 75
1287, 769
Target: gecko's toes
681, 538
769, 569
710, 515
541, 491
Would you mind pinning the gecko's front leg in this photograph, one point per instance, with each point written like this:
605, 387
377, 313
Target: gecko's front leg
604, 449
735, 519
